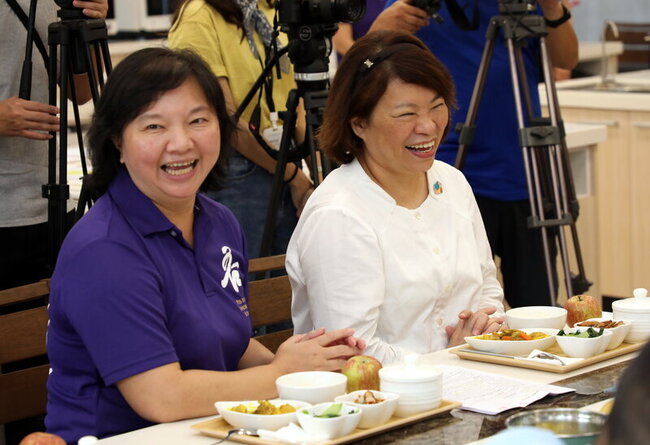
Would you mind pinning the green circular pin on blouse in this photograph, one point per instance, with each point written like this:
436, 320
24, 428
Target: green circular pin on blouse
437, 188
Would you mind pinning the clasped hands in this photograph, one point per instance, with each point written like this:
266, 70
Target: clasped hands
473, 323
318, 350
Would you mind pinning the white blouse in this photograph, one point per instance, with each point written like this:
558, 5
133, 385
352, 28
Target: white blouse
395, 275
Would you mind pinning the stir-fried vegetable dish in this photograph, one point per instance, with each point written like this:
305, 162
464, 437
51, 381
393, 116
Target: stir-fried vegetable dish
512, 335
263, 407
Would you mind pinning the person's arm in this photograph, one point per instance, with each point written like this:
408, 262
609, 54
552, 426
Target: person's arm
401, 16
343, 39
562, 42
247, 146
490, 313
33, 120
94, 9
168, 393
27, 118
341, 264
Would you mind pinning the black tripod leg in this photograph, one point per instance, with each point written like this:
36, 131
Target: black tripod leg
467, 128
288, 130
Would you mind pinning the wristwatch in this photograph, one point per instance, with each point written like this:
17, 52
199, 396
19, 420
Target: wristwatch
555, 23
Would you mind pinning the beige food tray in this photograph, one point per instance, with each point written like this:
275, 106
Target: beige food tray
552, 366
218, 427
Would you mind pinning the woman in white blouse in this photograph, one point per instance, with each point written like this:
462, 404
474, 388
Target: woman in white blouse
392, 243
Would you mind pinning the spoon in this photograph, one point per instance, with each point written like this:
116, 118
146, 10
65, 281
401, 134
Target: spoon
245, 431
547, 356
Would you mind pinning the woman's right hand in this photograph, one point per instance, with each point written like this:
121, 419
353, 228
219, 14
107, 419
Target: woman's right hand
325, 352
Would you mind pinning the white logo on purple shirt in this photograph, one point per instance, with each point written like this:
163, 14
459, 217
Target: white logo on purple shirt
231, 270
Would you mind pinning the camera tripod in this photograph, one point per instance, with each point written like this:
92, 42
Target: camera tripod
551, 190
74, 37
312, 87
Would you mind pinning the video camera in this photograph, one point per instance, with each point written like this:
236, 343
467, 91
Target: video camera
431, 7
68, 11
310, 25
516, 6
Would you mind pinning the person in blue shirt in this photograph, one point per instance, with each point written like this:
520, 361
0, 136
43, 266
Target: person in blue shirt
149, 319
494, 163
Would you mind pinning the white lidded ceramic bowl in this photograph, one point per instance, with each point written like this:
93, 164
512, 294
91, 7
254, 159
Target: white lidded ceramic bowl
331, 427
636, 310
583, 347
311, 386
514, 347
536, 317
258, 421
618, 333
375, 414
419, 386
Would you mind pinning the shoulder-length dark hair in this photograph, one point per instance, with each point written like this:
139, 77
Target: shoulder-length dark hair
137, 82
362, 78
228, 9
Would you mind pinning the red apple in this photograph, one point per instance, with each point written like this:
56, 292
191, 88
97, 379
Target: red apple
362, 372
580, 308
42, 439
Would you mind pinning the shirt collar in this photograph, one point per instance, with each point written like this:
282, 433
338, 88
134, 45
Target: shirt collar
137, 208
432, 179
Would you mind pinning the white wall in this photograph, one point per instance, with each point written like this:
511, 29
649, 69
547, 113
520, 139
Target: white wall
589, 15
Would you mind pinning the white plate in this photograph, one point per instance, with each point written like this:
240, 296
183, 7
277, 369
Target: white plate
258, 421
514, 347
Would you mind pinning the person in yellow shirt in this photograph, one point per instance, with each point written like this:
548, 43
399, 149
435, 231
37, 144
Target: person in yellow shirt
234, 37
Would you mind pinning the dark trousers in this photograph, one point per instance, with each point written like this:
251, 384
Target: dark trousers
520, 250
24, 258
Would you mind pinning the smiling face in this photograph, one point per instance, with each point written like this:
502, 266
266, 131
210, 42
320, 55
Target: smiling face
402, 134
170, 148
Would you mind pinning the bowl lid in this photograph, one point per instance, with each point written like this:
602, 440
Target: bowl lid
640, 302
410, 371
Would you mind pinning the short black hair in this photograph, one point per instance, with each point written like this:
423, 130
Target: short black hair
136, 82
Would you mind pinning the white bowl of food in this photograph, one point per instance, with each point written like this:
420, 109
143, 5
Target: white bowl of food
311, 386
583, 346
376, 407
263, 414
419, 386
514, 341
618, 328
330, 420
536, 317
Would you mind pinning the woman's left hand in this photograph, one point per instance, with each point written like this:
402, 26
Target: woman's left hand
351, 341
473, 323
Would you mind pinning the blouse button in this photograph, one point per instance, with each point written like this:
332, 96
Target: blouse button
436, 250
172, 233
439, 321
418, 215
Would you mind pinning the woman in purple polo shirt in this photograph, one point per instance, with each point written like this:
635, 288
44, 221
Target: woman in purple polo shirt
148, 314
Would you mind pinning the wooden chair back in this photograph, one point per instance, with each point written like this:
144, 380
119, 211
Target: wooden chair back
23, 377
636, 45
269, 300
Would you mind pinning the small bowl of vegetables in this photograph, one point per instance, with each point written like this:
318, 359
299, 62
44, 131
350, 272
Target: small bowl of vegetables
583, 342
330, 420
618, 328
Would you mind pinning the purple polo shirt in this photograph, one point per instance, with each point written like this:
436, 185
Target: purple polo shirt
128, 295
